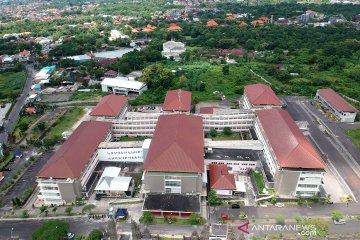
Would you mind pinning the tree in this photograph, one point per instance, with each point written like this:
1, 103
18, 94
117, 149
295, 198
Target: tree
24, 214
157, 75
226, 69
43, 208
194, 218
95, 235
213, 132
147, 217
337, 215
51, 230
23, 126
227, 131
213, 199
41, 126
68, 210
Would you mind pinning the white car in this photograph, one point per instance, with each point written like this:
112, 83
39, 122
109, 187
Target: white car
70, 236
279, 205
339, 222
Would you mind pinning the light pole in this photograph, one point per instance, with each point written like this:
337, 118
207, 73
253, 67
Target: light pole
12, 232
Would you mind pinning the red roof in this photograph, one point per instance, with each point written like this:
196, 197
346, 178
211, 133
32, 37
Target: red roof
174, 27
110, 106
177, 100
242, 23
255, 22
25, 52
336, 101
207, 110
290, 146
265, 19
30, 110
211, 23
220, 178
261, 94
177, 145
73, 156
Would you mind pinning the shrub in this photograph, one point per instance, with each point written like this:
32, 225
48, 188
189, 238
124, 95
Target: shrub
280, 219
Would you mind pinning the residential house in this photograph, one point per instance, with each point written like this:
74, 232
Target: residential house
172, 49
260, 96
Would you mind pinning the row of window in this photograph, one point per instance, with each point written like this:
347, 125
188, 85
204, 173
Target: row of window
308, 185
125, 152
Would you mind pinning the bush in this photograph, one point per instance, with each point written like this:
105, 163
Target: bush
227, 131
24, 214
213, 199
68, 210
280, 219
95, 235
213, 132
88, 208
147, 217
337, 215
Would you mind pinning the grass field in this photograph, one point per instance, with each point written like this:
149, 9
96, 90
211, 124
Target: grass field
65, 122
11, 84
223, 137
82, 96
354, 134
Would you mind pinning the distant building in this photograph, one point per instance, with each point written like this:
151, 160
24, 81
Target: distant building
172, 49
260, 96
115, 34
292, 164
111, 74
68, 174
177, 100
123, 86
24, 56
336, 104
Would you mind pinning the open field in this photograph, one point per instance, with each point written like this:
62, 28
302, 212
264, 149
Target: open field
83, 96
354, 134
11, 84
65, 122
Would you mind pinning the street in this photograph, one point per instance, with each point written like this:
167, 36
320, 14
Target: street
14, 114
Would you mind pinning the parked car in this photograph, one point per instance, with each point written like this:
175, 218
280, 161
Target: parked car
263, 205
339, 222
225, 216
235, 205
70, 236
279, 205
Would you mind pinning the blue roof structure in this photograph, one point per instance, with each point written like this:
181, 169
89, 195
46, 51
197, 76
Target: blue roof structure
121, 212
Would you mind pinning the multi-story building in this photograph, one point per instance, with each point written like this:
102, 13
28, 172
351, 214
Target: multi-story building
331, 100
177, 101
173, 180
172, 49
122, 86
293, 163
260, 96
129, 151
68, 173
110, 107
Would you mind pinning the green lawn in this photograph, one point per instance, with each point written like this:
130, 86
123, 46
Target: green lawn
259, 181
82, 96
223, 137
11, 84
65, 122
354, 134
130, 138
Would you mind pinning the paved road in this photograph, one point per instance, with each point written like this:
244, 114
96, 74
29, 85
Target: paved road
26, 181
19, 104
24, 228
326, 144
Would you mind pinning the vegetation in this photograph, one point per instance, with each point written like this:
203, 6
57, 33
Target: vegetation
64, 123
88, 208
337, 215
259, 181
354, 134
95, 235
5, 160
147, 217
280, 219
68, 210
213, 199
321, 227
51, 230
20, 200
84, 96
11, 84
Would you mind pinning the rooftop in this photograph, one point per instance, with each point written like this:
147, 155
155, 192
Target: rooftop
290, 146
125, 144
110, 106
261, 94
123, 82
172, 203
336, 101
73, 156
177, 100
177, 145
220, 178
233, 154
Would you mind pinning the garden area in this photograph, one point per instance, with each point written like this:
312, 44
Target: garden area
354, 134
11, 84
84, 96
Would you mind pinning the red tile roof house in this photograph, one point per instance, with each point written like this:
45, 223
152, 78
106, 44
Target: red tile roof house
260, 96
221, 180
177, 101
24, 56
110, 107
294, 164
68, 174
174, 166
342, 110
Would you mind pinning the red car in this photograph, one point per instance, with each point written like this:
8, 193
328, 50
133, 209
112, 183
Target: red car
224, 216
